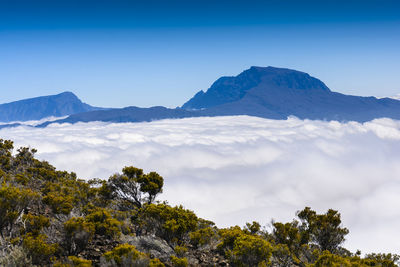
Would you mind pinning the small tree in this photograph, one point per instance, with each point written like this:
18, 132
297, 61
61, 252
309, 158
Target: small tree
135, 187
325, 229
6, 147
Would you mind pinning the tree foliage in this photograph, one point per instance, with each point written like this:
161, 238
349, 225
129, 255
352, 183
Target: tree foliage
136, 187
325, 230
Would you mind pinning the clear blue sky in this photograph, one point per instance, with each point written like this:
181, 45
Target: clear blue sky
121, 53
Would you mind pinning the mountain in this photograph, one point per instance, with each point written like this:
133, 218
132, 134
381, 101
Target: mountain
128, 114
277, 93
231, 89
37, 108
266, 92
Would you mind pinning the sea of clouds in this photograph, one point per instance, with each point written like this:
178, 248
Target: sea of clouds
234, 170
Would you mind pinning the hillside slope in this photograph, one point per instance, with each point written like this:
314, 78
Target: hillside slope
37, 108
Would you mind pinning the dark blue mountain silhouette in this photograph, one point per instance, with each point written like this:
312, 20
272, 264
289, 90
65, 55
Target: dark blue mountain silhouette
277, 93
128, 114
265, 92
37, 108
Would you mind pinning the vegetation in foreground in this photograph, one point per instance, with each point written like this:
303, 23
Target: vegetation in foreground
52, 218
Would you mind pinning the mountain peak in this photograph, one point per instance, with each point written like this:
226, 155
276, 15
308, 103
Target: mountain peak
62, 104
67, 93
267, 79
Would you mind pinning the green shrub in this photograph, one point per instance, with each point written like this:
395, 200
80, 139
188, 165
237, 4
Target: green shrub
125, 255
179, 262
251, 250
34, 224
385, 260
79, 262
59, 203
202, 236
13, 200
170, 223
180, 250
38, 248
228, 238
156, 263
79, 232
104, 223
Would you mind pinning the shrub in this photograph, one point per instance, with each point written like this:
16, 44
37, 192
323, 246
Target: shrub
6, 147
79, 232
79, 262
38, 248
125, 255
59, 203
34, 224
104, 223
156, 263
382, 259
180, 250
170, 223
251, 250
13, 201
228, 238
202, 236
179, 262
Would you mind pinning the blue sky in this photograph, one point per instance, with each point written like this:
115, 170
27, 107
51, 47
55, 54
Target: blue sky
121, 53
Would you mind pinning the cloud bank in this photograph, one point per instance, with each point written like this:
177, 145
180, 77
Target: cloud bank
237, 169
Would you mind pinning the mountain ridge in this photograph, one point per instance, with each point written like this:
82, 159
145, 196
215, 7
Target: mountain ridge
36, 108
267, 92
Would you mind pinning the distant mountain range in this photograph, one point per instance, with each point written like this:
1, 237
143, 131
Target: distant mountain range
265, 92
37, 108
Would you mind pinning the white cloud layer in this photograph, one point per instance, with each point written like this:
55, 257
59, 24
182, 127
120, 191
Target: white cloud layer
237, 169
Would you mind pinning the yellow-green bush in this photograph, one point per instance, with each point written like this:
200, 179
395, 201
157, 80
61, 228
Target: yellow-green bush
6, 147
179, 262
228, 237
78, 233
251, 250
38, 248
385, 260
59, 203
34, 224
170, 223
125, 255
13, 200
180, 250
21, 179
202, 236
156, 263
79, 262
104, 223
